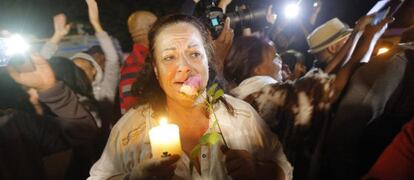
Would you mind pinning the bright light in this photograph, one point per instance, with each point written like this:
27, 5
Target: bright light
16, 45
382, 50
163, 121
315, 4
291, 10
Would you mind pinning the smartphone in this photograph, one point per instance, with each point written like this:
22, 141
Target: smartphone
379, 16
21, 61
383, 9
378, 7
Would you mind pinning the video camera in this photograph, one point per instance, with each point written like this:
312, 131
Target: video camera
243, 16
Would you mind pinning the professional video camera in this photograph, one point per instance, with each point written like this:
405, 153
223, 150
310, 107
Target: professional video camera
242, 16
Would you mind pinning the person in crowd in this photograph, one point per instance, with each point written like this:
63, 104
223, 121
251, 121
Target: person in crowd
297, 111
100, 63
295, 61
179, 50
379, 100
73, 77
326, 41
252, 63
139, 24
27, 137
397, 160
82, 156
104, 80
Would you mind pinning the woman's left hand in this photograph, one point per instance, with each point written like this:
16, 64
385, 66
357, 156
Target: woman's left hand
239, 164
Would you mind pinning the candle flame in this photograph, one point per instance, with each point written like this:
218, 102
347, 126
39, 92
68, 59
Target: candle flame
163, 121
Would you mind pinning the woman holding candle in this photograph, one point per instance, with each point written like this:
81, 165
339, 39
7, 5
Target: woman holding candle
180, 48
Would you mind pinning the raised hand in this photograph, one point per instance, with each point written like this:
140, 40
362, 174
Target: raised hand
222, 45
363, 22
270, 16
378, 29
93, 12
61, 28
223, 4
42, 78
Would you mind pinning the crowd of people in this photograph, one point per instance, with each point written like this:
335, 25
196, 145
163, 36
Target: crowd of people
88, 116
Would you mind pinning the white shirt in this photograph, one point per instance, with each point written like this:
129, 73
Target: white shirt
252, 85
128, 144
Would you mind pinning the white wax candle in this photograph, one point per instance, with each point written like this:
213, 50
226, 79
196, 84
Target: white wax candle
165, 139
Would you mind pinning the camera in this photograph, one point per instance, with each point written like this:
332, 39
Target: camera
243, 16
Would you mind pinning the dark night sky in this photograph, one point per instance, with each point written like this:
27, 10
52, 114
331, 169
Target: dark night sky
35, 16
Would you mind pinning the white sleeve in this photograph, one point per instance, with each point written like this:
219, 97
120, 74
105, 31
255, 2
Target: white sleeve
111, 72
48, 50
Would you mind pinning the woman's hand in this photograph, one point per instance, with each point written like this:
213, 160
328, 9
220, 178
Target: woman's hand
41, 79
239, 164
93, 12
155, 168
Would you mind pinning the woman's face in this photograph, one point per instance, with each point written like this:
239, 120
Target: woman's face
179, 54
271, 65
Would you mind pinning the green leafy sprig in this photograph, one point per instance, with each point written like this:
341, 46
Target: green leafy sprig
212, 137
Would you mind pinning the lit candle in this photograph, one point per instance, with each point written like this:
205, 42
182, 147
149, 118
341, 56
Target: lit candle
165, 139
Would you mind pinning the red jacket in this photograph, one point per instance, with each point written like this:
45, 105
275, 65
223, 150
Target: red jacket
133, 64
397, 161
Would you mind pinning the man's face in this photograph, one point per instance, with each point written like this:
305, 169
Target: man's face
329, 53
337, 46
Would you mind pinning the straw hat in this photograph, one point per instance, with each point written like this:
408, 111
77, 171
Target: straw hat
327, 34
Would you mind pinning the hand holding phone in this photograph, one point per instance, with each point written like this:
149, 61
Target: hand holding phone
379, 16
383, 9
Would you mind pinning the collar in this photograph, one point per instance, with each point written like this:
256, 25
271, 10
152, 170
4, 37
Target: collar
252, 85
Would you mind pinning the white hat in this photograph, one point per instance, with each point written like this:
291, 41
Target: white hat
327, 34
99, 72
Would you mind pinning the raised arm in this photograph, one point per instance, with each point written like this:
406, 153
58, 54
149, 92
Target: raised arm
346, 50
61, 30
363, 45
76, 122
111, 70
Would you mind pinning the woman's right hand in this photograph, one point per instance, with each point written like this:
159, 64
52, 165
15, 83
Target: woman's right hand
155, 168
